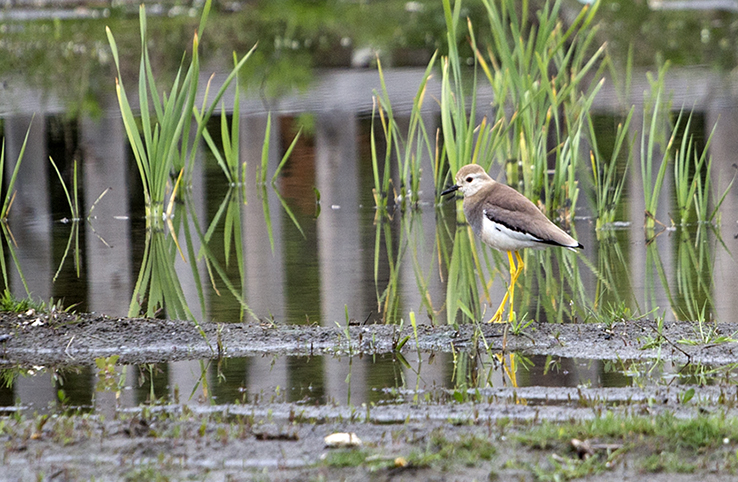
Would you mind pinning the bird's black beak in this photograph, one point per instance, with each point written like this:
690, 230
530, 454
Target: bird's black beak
449, 190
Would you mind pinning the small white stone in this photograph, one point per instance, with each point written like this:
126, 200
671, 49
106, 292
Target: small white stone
342, 439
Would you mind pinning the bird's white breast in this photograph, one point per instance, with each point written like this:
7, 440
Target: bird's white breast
500, 237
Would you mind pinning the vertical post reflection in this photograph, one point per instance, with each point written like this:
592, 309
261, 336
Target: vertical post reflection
339, 236
106, 166
264, 287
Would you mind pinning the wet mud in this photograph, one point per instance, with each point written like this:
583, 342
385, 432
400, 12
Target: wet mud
63, 338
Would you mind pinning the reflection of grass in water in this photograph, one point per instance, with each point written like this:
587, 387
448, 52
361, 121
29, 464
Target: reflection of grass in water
691, 297
553, 289
4, 211
694, 271
158, 285
397, 248
614, 283
473, 371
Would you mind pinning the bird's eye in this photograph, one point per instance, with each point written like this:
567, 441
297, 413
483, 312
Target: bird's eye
469, 179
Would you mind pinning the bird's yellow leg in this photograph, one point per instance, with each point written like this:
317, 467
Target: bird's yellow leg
497, 317
514, 273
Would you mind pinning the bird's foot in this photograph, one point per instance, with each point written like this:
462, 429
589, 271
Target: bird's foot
497, 317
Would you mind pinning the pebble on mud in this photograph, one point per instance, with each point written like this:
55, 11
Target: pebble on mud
342, 439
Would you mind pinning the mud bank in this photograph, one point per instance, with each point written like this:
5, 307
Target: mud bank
62, 338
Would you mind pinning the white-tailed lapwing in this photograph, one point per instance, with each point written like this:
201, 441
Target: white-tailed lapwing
506, 220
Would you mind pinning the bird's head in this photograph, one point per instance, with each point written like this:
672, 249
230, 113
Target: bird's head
469, 180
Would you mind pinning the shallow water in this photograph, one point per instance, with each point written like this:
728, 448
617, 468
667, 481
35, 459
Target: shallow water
354, 381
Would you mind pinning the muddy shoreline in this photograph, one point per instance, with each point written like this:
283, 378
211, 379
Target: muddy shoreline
63, 339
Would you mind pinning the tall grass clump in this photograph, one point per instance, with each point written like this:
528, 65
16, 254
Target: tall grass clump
539, 77
160, 139
405, 148
692, 179
656, 125
692, 167
607, 182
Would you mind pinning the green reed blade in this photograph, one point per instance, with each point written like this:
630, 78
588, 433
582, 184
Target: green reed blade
233, 159
261, 175
225, 140
13, 177
223, 88
72, 205
214, 149
286, 156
